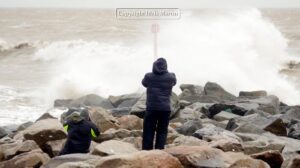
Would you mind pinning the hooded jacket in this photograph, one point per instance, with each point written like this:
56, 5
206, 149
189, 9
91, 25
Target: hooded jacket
80, 134
159, 84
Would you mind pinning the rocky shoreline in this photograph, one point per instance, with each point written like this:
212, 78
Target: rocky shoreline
209, 128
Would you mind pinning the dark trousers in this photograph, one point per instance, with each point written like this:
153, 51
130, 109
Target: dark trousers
155, 121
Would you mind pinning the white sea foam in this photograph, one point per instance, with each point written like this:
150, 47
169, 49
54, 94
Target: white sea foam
238, 49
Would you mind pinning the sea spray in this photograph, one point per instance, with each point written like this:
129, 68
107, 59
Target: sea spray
239, 49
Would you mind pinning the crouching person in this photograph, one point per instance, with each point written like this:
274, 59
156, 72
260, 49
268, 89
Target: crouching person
80, 133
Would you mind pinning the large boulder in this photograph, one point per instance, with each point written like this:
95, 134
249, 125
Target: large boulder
215, 90
70, 158
194, 93
139, 108
227, 145
189, 127
23, 147
113, 147
258, 123
269, 104
45, 130
35, 158
189, 141
198, 156
249, 163
124, 100
254, 143
187, 114
213, 133
273, 158
130, 122
102, 119
145, 159
6, 144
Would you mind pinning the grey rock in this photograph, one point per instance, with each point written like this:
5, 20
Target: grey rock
3, 132
189, 127
224, 115
213, 133
124, 100
74, 158
193, 89
91, 100
253, 94
215, 90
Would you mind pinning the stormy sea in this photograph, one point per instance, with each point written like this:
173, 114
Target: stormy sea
49, 54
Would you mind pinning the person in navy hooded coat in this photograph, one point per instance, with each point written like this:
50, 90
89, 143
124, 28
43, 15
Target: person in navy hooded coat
159, 84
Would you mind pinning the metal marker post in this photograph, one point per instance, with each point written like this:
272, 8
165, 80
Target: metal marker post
155, 30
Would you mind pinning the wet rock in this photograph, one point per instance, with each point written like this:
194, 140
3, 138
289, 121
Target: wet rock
113, 147
249, 163
45, 130
198, 156
189, 127
273, 158
71, 158
139, 108
130, 122
145, 159
253, 94
102, 119
215, 90
35, 158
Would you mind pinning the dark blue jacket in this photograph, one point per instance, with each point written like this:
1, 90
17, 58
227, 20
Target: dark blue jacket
80, 135
159, 86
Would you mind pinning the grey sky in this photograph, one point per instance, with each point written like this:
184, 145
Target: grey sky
150, 3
